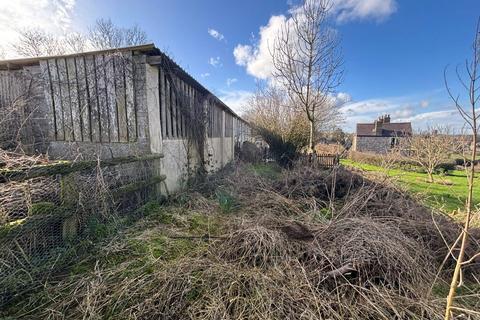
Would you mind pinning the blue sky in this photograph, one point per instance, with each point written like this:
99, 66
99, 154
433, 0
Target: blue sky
395, 51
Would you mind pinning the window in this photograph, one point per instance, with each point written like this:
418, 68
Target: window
393, 142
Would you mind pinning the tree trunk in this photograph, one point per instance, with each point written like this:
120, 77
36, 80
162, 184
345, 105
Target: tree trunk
430, 177
311, 137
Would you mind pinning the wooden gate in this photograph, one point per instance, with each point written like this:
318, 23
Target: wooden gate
326, 160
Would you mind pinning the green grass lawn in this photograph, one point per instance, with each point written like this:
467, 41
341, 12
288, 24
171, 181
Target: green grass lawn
447, 198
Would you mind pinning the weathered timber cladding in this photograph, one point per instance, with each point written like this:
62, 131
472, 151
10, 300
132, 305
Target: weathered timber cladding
163, 101
130, 95
228, 125
111, 99
95, 104
140, 97
83, 99
65, 99
73, 97
168, 107
102, 100
94, 98
57, 100
93, 114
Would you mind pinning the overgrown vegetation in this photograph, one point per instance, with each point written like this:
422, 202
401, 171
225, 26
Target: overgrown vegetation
447, 194
258, 242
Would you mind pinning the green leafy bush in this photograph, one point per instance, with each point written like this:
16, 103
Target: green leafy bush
250, 153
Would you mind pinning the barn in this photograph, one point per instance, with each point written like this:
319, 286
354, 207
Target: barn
131, 101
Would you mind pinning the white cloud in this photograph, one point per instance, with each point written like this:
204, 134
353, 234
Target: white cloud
215, 61
433, 115
347, 10
215, 34
236, 99
341, 98
424, 103
403, 113
231, 81
243, 54
257, 58
54, 16
368, 106
204, 75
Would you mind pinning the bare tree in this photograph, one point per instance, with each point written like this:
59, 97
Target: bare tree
37, 42
270, 109
75, 42
134, 36
468, 111
308, 62
2, 52
106, 35
428, 148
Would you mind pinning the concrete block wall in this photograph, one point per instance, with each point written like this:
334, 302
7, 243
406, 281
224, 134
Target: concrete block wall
168, 94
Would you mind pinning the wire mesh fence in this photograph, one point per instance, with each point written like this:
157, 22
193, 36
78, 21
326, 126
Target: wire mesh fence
49, 209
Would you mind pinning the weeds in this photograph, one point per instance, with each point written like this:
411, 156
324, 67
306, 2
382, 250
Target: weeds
304, 245
225, 200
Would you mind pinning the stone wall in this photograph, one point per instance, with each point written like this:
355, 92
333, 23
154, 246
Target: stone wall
372, 144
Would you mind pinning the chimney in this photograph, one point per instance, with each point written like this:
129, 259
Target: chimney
378, 125
386, 119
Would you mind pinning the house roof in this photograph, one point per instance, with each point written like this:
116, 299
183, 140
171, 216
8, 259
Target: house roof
391, 129
154, 57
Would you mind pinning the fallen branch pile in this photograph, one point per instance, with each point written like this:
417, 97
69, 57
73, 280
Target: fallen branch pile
305, 245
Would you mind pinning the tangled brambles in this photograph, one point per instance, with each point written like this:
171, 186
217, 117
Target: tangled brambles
319, 245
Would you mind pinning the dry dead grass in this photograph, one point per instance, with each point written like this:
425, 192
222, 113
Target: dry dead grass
308, 245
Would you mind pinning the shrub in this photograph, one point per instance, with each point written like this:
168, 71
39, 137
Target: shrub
444, 168
284, 152
250, 153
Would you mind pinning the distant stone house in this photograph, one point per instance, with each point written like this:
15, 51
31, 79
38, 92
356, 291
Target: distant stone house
380, 136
